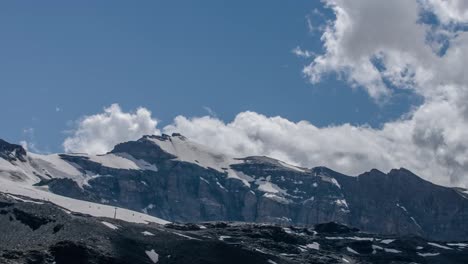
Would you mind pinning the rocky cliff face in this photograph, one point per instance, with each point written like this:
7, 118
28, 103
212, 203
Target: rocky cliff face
35, 231
11, 152
175, 179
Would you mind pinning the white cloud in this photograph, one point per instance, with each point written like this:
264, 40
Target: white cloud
24, 144
302, 53
97, 134
346, 148
449, 11
377, 45
29, 143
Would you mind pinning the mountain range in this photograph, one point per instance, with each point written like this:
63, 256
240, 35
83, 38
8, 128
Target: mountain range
173, 178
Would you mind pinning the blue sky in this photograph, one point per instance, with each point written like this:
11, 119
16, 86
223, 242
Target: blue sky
61, 60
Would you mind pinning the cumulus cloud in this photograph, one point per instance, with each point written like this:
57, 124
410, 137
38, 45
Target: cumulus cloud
415, 144
374, 45
97, 134
449, 11
378, 46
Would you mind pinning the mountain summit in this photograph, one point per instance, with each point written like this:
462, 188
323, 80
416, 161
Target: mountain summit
176, 179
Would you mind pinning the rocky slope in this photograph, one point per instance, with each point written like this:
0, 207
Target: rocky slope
36, 231
178, 180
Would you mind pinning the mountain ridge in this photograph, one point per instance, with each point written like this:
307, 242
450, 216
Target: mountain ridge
173, 178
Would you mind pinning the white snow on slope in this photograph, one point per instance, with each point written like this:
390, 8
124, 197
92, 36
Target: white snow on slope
192, 152
292, 167
402, 207
415, 222
22, 199
314, 245
54, 165
185, 236
74, 205
391, 250
438, 245
342, 202
152, 255
121, 161
329, 179
109, 225
18, 171
277, 198
265, 185
428, 254
114, 161
7, 166
457, 244
387, 241
352, 250
147, 233
222, 238
188, 151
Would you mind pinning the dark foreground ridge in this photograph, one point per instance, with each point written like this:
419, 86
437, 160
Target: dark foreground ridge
33, 232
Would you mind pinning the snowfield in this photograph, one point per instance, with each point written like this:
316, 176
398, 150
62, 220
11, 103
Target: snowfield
73, 205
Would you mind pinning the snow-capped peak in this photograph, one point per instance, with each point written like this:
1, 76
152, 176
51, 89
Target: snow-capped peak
189, 151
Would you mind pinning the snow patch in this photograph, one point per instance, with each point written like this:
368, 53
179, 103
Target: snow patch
415, 222
109, 225
54, 165
438, 245
114, 161
147, 233
314, 245
153, 255
23, 200
428, 254
391, 250
222, 238
291, 167
387, 241
375, 248
457, 244
402, 207
94, 209
342, 202
203, 179
185, 236
268, 187
277, 198
352, 250
330, 180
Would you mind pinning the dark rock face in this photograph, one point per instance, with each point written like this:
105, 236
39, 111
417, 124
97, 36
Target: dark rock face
74, 238
12, 152
402, 203
395, 203
334, 228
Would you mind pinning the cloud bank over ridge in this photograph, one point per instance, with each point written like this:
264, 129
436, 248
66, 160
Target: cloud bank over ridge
379, 46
